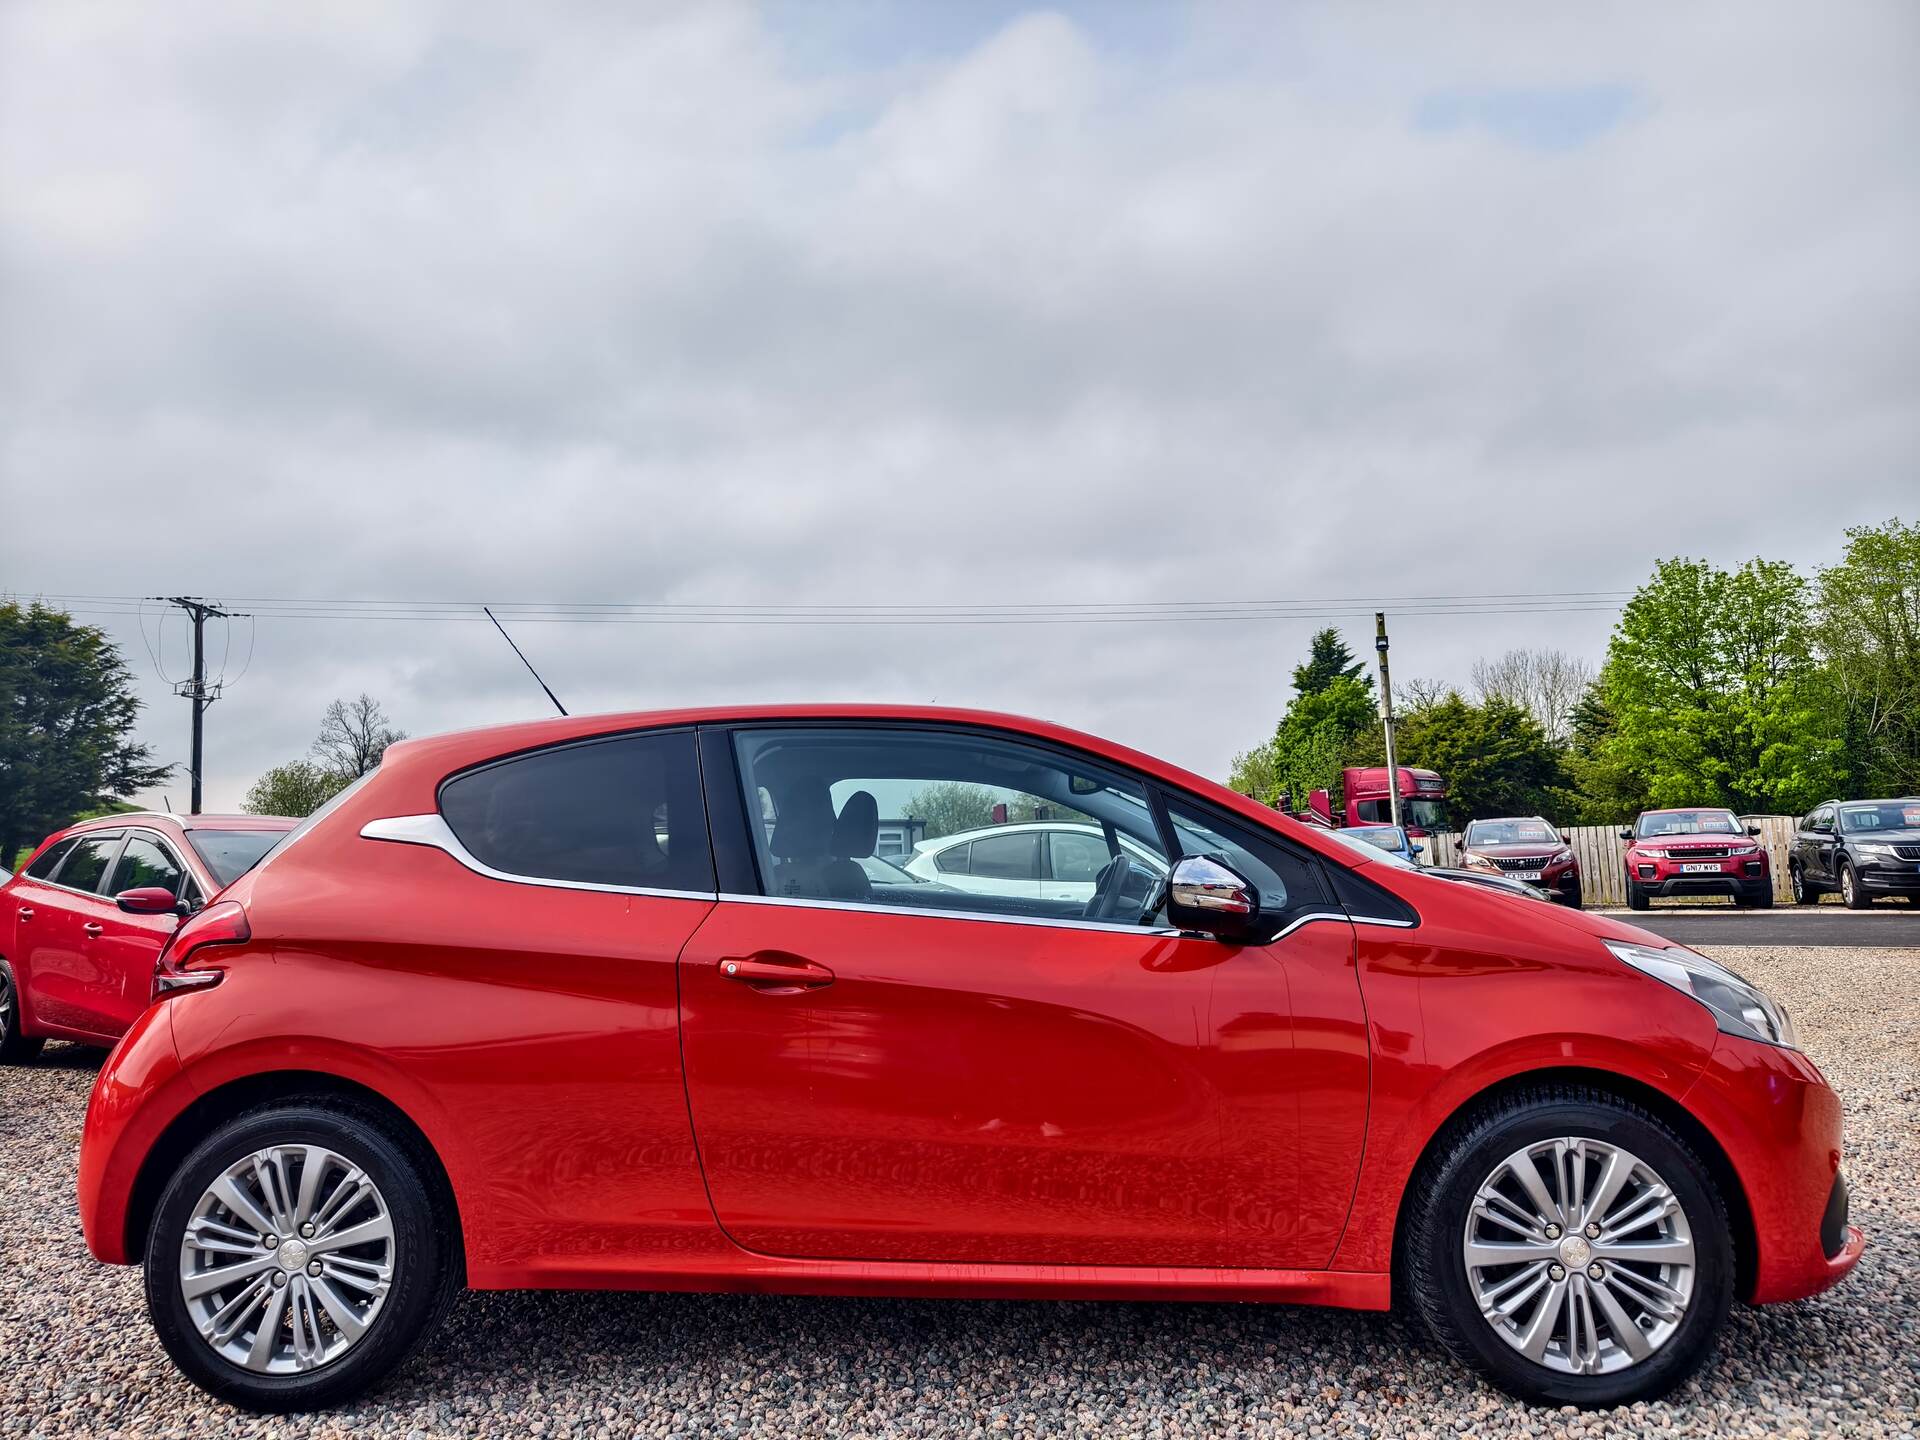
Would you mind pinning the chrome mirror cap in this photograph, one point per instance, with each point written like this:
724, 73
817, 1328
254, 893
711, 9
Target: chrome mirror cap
1206, 894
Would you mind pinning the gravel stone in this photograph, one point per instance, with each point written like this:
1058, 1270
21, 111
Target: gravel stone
77, 1357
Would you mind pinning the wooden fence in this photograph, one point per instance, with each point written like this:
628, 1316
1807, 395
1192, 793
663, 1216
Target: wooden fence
1603, 856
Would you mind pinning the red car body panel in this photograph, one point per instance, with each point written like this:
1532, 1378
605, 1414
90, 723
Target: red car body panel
970, 1109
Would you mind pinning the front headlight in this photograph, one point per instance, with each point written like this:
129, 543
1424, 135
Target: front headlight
1738, 1007
1651, 852
1882, 850
1479, 862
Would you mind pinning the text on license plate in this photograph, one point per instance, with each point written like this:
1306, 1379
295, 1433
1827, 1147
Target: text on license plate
1524, 874
1700, 869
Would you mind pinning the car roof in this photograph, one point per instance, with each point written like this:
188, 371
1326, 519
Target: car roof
1686, 809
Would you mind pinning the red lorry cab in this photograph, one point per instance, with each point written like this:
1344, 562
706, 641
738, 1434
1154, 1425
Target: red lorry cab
1423, 796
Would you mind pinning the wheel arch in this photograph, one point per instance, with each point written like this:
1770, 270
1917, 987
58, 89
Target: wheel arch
1656, 1102
249, 1092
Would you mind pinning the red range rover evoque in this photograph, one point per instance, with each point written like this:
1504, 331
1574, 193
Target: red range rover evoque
630, 1002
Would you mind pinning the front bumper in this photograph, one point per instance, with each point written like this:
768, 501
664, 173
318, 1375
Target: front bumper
1736, 875
1780, 1124
1890, 877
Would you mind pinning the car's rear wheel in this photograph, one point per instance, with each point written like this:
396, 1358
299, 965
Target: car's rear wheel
1852, 893
1570, 1247
15, 1048
1636, 897
297, 1257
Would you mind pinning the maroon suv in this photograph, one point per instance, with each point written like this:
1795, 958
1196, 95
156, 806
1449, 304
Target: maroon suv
1696, 852
1524, 848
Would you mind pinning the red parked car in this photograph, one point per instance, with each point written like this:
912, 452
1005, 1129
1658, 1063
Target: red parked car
611, 1002
84, 920
1696, 852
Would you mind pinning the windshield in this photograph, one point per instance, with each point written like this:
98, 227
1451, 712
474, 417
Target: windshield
1511, 832
1385, 836
1873, 815
1372, 852
1687, 822
231, 853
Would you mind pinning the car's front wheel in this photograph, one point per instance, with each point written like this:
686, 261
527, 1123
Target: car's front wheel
298, 1256
15, 1048
1852, 893
1571, 1247
1804, 890
1636, 897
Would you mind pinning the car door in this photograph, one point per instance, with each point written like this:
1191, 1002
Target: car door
127, 945
73, 988
1006, 865
1074, 862
972, 1078
1826, 844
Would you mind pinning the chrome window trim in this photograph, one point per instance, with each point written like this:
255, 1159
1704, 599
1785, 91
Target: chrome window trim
932, 912
433, 831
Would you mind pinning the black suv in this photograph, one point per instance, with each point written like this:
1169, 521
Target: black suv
1862, 848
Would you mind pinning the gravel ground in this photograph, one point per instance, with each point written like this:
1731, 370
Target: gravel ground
77, 1357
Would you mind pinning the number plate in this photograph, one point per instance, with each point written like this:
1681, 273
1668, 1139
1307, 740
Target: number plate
1523, 874
1700, 869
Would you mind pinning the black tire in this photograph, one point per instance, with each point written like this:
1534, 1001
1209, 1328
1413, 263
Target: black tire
1636, 897
15, 1048
1805, 892
426, 1258
1571, 897
1762, 898
1433, 1271
1852, 893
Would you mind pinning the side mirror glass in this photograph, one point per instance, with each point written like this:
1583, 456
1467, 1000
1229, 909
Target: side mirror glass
147, 900
1210, 896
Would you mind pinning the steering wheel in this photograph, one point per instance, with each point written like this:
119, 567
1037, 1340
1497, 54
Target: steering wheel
1109, 889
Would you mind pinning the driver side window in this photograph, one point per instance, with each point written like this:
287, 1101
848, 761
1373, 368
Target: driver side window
992, 825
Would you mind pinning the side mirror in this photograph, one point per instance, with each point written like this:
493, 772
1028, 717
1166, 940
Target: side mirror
147, 900
1754, 831
1207, 895
1626, 834
1418, 849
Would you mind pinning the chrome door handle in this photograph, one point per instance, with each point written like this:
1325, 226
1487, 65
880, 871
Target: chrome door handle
776, 973
93, 929
26, 913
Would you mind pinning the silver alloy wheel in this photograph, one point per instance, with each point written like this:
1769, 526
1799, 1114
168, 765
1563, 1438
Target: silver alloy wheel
1847, 883
287, 1259
1799, 884
6, 1005
1579, 1255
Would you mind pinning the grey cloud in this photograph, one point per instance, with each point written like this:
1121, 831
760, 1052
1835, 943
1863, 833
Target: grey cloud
679, 303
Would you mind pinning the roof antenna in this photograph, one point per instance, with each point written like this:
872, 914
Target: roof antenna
523, 660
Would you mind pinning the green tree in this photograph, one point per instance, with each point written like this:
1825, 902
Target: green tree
950, 806
1310, 744
1868, 635
297, 788
1496, 758
1604, 787
67, 710
1328, 660
1715, 692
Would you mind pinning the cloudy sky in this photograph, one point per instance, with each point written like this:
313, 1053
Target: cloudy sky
889, 303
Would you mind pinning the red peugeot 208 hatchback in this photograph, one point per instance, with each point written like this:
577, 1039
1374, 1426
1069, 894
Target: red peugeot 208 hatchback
613, 1002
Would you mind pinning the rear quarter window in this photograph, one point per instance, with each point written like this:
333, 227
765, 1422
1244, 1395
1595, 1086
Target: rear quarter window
49, 861
625, 812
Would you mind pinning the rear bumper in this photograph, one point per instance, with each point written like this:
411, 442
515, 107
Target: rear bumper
1780, 1124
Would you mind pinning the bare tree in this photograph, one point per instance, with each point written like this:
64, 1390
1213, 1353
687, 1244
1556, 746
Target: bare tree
1419, 693
354, 734
1548, 683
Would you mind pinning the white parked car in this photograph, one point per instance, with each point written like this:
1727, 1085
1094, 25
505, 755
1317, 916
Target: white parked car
1038, 859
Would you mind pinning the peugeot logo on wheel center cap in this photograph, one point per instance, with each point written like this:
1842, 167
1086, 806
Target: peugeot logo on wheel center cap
292, 1255
1575, 1252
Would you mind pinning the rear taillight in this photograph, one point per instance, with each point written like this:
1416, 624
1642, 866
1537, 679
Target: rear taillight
221, 923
